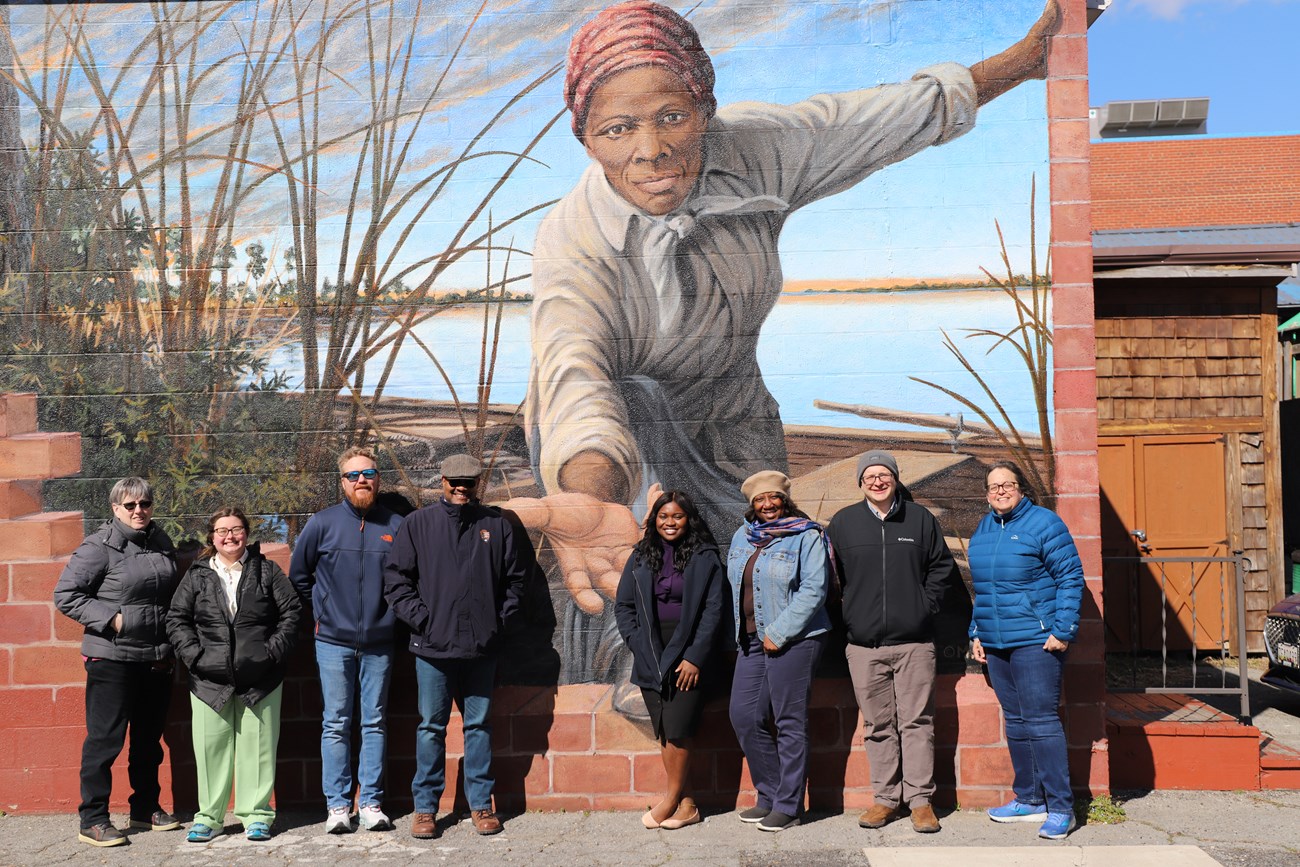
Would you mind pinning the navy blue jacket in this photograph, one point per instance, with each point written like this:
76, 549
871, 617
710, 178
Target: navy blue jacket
1028, 578
696, 636
338, 563
456, 576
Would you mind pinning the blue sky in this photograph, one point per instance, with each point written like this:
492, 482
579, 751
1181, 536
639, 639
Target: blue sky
1240, 53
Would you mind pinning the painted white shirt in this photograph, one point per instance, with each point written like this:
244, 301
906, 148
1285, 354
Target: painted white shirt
603, 338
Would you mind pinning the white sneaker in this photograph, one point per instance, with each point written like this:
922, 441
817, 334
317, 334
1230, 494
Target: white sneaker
338, 821
373, 819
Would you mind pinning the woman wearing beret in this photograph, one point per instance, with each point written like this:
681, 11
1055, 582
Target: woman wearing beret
778, 568
669, 608
1028, 585
233, 621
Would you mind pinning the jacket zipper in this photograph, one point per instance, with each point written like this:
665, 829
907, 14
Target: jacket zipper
884, 585
649, 627
361, 592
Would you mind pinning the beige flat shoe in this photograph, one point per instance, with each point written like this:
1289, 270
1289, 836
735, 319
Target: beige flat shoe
687, 814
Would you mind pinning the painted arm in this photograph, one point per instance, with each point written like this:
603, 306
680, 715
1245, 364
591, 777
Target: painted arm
1026, 59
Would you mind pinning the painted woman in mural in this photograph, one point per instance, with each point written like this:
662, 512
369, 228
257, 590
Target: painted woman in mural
652, 278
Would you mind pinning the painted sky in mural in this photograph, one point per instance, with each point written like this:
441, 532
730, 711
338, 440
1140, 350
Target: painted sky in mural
927, 217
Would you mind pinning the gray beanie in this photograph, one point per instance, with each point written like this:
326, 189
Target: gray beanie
461, 467
877, 458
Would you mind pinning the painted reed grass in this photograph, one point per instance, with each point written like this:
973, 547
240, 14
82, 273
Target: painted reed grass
1031, 340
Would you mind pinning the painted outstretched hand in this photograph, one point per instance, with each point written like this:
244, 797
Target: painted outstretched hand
1025, 60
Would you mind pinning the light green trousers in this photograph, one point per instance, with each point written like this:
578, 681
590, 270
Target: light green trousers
236, 748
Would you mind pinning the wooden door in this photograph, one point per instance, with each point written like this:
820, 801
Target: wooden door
1165, 496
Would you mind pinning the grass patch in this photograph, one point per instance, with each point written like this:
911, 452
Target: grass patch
1102, 810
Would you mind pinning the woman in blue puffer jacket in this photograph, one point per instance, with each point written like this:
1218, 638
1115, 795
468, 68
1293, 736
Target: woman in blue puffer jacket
1028, 584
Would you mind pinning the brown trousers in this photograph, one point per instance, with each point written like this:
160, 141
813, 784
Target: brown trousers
895, 692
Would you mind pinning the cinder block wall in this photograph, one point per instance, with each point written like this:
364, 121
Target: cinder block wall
564, 748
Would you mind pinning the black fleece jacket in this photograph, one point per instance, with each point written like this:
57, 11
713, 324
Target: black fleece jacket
894, 572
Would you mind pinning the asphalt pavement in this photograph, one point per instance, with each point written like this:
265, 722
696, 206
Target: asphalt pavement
1160, 829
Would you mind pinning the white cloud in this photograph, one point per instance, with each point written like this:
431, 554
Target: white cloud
1173, 10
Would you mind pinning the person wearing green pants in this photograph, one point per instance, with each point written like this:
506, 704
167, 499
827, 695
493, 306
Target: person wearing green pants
233, 622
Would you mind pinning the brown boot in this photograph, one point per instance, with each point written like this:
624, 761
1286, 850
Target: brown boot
486, 822
423, 826
879, 816
924, 821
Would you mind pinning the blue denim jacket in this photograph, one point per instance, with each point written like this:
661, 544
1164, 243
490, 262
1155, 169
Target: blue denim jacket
789, 586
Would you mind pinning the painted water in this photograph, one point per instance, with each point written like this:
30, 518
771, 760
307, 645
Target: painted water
843, 347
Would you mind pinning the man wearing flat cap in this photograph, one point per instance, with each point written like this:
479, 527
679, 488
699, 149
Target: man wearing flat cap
455, 576
894, 566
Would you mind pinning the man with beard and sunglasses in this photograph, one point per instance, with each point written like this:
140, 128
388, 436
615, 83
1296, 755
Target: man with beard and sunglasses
456, 576
338, 566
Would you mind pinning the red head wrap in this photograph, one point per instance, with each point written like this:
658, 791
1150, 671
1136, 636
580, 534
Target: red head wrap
636, 33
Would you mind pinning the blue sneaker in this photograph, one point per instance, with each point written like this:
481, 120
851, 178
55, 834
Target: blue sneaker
1058, 826
1018, 811
258, 832
200, 833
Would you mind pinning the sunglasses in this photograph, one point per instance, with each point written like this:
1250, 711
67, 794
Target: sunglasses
356, 474
146, 505
463, 483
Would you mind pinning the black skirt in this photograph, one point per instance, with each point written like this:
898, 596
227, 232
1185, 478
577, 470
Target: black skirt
674, 713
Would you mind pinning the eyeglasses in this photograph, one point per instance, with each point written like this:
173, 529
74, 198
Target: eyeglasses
462, 483
999, 487
145, 505
353, 475
223, 532
878, 477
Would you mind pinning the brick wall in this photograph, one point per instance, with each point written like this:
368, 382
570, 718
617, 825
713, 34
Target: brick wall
1195, 182
556, 747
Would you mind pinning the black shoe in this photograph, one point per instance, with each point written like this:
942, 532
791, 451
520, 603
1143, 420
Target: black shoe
777, 821
754, 814
161, 820
103, 834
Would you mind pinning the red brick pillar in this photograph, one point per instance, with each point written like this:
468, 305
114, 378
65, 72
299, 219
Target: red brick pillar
42, 683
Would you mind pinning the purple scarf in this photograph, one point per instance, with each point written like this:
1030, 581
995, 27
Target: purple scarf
761, 534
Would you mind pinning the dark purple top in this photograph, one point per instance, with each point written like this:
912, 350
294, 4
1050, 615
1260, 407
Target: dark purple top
669, 587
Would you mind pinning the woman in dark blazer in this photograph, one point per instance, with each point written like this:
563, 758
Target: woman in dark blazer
233, 621
669, 609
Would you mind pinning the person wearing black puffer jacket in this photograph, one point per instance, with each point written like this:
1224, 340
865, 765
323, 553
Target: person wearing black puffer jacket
118, 585
233, 621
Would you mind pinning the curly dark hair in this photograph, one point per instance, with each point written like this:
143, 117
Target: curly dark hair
790, 510
650, 550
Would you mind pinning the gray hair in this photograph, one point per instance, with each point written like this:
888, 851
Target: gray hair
132, 487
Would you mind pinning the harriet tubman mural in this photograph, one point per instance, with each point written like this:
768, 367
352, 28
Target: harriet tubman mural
613, 250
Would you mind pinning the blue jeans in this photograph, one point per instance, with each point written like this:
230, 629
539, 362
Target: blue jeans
469, 683
1027, 681
349, 677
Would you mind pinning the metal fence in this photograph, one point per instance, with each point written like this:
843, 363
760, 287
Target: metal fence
1175, 587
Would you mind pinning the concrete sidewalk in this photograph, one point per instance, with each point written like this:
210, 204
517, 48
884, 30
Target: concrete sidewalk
1163, 829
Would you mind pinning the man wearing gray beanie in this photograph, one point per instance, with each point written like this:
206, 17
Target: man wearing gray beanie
894, 566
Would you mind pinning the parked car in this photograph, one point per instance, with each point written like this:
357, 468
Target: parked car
1282, 641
